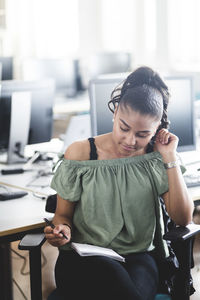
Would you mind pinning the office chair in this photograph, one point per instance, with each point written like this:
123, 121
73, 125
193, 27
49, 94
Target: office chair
180, 241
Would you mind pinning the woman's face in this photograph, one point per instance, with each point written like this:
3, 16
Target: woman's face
132, 131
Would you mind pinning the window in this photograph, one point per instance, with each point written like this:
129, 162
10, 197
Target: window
184, 33
56, 27
130, 25
118, 25
43, 28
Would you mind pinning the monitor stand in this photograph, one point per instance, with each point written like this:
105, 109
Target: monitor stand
19, 126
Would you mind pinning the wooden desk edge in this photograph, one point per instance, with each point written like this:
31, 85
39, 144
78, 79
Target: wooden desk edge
21, 229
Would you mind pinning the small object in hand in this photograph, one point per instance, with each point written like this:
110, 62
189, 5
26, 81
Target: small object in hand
53, 226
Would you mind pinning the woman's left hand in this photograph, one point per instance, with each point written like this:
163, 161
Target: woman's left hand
166, 142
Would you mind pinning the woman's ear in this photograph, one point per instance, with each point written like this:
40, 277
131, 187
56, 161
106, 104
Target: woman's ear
158, 127
159, 124
156, 131
115, 113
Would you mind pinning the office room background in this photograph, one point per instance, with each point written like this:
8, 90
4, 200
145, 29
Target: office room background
161, 34
74, 41
60, 38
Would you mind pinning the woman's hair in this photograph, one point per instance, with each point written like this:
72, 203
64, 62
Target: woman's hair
145, 92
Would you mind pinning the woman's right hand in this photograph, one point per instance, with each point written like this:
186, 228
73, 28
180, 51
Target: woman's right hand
54, 235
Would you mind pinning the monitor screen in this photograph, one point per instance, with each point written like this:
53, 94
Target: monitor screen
41, 115
64, 72
180, 112
6, 67
109, 63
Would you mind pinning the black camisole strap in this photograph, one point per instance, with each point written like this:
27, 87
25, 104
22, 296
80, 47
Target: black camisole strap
93, 149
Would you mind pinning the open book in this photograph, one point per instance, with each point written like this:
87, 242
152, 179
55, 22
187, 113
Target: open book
91, 250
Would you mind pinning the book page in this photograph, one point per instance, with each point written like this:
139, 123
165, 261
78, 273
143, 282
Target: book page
90, 250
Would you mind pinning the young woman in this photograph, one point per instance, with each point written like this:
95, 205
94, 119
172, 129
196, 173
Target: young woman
108, 195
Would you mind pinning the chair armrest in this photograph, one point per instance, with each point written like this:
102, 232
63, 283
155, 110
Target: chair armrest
31, 241
182, 233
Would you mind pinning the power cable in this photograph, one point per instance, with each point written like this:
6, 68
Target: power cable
44, 261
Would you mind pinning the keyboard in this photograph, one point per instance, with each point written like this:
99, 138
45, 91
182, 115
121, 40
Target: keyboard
192, 180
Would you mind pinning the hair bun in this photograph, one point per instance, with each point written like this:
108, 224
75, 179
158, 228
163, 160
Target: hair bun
141, 76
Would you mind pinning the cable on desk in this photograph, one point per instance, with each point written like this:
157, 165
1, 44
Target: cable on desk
35, 194
4, 187
40, 173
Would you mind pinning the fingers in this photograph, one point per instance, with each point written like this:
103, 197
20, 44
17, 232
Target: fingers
164, 137
62, 229
55, 236
51, 234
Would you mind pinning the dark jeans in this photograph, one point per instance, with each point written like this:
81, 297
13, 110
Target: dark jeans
99, 277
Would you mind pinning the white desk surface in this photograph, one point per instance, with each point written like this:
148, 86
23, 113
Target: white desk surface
191, 160
30, 180
194, 192
22, 214
78, 104
26, 213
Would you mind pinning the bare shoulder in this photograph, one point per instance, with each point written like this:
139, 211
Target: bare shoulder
79, 150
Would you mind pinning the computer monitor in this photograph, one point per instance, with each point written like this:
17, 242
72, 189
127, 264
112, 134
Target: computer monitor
6, 67
21, 123
77, 129
109, 63
64, 72
180, 112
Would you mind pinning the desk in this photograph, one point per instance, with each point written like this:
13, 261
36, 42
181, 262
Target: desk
18, 217
77, 104
31, 181
191, 160
195, 195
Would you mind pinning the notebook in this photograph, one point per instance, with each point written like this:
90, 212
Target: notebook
91, 250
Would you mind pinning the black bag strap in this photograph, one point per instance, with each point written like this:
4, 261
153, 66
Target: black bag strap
93, 149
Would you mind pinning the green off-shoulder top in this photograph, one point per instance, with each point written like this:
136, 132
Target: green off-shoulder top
117, 201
